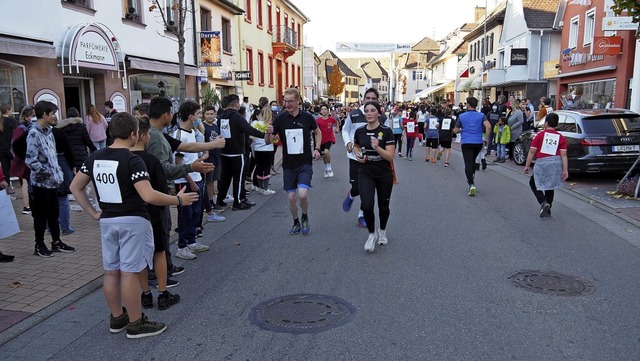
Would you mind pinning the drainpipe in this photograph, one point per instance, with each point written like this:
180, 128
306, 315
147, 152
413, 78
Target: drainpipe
539, 55
635, 83
195, 49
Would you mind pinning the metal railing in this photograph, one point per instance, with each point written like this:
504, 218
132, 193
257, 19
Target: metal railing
284, 34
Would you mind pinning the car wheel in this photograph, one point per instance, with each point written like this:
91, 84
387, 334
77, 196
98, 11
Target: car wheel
519, 156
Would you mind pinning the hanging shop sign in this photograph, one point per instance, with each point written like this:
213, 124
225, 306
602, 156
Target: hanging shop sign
607, 45
519, 56
243, 75
210, 54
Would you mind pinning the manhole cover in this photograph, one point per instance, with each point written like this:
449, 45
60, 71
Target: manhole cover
304, 313
552, 283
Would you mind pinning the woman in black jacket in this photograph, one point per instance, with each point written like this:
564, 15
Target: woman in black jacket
79, 140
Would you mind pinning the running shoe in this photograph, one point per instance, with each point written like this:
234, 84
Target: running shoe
61, 247
370, 245
326, 173
348, 201
382, 237
305, 226
215, 217
330, 173
472, 190
545, 210
295, 229
144, 328
361, 222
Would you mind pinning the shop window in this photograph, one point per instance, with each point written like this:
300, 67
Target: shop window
247, 11
145, 86
132, 10
589, 26
13, 89
226, 35
269, 17
573, 32
249, 64
260, 68
590, 95
84, 3
491, 44
270, 73
259, 13
170, 12
205, 19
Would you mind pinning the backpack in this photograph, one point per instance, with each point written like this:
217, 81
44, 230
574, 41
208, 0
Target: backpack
19, 146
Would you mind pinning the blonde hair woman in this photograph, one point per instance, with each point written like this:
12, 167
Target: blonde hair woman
96, 126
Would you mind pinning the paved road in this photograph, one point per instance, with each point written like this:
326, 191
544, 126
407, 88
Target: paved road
439, 291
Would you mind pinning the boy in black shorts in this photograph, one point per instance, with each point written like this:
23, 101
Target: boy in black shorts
122, 187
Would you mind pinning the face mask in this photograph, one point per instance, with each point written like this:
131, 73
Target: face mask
494, 108
274, 107
33, 118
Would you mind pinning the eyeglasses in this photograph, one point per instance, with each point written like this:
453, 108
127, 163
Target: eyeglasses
290, 101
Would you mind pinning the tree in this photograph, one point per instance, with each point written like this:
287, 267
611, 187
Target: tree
174, 19
632, 7
336, 85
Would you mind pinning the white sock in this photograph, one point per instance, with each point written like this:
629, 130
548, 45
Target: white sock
328, 166
360, 213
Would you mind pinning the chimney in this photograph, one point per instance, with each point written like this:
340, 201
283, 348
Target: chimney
479, 14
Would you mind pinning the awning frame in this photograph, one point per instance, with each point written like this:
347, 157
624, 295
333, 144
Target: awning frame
161, 67
27, 47
432, 89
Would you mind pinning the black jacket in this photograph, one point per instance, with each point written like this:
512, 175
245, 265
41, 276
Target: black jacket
239, 128
79, 139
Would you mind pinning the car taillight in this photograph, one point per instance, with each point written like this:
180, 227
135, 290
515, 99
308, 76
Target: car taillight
586, 142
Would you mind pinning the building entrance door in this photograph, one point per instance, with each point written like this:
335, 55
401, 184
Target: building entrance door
78, 93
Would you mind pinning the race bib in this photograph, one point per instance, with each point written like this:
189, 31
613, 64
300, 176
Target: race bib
294, 141
411, 127
105, 176
225, 129
396, 123
446, 124
433, 123
550, 143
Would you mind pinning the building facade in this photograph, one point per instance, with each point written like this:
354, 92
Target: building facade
597, 62
80, 52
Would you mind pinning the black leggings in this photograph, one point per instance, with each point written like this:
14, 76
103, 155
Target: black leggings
469, 154
354, 171
263, 168
369, 185
398, 139
541, 196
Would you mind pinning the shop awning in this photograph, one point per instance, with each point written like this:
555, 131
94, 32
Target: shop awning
476, 83
432, 89
37, 49
160, 67
464, 85
465, 73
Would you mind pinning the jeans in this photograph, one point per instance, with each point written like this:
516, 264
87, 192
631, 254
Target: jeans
63, 217
502, 151
101, 144
410, 143
188, 217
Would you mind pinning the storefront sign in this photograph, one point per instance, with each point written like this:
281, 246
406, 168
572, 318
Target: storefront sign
210, 48
119, 102
607, 45
374, 47
613, 23
47, 95
222, 73
92, 48
243, 75
551, 69
519, 56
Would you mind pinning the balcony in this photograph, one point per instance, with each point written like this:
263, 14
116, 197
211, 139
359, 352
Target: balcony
284, 41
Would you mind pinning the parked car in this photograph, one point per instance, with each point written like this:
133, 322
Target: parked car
602, 140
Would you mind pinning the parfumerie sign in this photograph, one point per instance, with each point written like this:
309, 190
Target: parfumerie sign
93, 49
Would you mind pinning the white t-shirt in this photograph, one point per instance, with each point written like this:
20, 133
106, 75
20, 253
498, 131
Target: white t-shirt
187, 137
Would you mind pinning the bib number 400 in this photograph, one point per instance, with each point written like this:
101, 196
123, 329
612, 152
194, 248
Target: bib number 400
106, 178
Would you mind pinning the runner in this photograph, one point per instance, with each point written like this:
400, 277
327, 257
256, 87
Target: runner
294, 127
549, 148
469, 126
446, 135
356, 120
375, 149
328, 126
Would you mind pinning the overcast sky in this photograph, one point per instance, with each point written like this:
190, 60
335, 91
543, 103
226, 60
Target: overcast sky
398, 21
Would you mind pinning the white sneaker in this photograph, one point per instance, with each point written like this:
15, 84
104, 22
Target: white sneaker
197, 247
228, 198
382, 237
330, 173
214, 217
185, 253
326, 173
268, 192
371, 242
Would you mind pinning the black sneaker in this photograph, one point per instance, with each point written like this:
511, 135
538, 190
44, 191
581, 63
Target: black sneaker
61, 247
42, 251
6, 257
240, 207
248, 202
118, 324
216, 207
144, 328
26, 210
147, 300
172, 283
176, 270
545, 210
198, 232
166, 300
